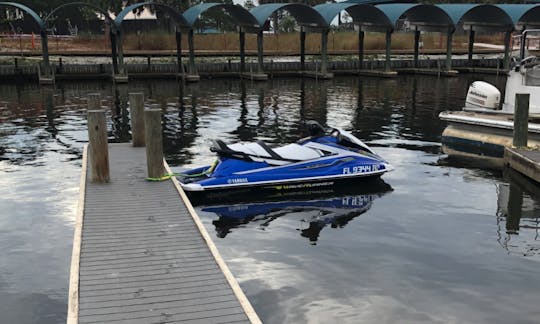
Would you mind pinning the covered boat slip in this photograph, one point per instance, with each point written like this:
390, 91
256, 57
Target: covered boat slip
141, 254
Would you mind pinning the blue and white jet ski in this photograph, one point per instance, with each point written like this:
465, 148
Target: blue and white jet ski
321, 159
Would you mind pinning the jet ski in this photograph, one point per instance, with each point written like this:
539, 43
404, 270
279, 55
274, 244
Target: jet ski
325, 156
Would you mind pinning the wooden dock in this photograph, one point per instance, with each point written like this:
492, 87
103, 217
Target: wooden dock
141, 254
525, 161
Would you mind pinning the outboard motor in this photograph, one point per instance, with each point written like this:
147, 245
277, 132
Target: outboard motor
483, 95
314, 128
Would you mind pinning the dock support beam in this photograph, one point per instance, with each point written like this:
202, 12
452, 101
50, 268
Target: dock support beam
361, 35
416, 47
121, 77
260, 49
45, 75
97, 138
388, 50
448, 65
242, 36
114, 51
154, 143
507, 40
521, 120
192, 69
324, 51
136, 109
179, 50
471, 46
302, 49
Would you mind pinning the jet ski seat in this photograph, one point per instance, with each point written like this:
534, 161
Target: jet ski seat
261, 152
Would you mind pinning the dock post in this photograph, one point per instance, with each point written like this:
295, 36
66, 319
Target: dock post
98, 146
521, 120
136, 109
388, 51
260, 49
302, 49
360, 50
416, 48
154, 143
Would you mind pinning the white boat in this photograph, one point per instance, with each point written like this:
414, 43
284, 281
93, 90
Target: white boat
484, 127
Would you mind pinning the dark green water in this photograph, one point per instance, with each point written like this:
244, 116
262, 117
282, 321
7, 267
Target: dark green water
434, 243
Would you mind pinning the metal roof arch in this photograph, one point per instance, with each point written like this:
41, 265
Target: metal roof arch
478, 16
522, 15
28, 11
175, 14
304, 15
421, 16
367, 16
239, 14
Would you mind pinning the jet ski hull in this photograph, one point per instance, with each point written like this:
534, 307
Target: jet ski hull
320, 159
296, 176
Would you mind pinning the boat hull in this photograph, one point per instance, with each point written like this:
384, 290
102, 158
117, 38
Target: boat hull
478, 142
366, 184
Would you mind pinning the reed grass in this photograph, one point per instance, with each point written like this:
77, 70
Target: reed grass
277, 43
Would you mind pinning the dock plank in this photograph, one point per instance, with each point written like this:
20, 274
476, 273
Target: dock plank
143, 256
525, 161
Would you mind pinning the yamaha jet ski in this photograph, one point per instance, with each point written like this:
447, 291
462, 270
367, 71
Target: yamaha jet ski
326, 156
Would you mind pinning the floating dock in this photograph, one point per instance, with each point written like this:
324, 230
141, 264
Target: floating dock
141, 254
525, 161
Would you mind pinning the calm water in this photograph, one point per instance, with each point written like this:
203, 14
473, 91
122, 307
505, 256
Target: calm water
435, 242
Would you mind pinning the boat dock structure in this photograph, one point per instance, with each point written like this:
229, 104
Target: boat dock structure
140, 252
524, 161
385, 17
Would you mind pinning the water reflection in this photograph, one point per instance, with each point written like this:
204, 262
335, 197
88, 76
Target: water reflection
312, 210
518, 215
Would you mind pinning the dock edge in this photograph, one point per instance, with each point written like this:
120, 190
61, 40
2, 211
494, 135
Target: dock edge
244, 302
73, 295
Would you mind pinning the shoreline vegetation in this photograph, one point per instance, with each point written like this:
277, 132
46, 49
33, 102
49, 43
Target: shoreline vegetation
278, 44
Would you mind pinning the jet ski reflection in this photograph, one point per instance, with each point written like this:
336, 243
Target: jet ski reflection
314, 209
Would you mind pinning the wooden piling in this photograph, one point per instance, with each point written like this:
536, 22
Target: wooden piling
154, 143
136, 109
521, 120
98, 146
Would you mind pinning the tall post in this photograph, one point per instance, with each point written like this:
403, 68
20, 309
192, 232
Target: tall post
507, 40
45, 50
242, 35
388, 50
191, 66
98, 147
416, 47
179, 50
324, 51
114, 51
260, 49
471, 45
521, 120
449, 35
361, 49
136, 109
154, 143
119, 43
302, 49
